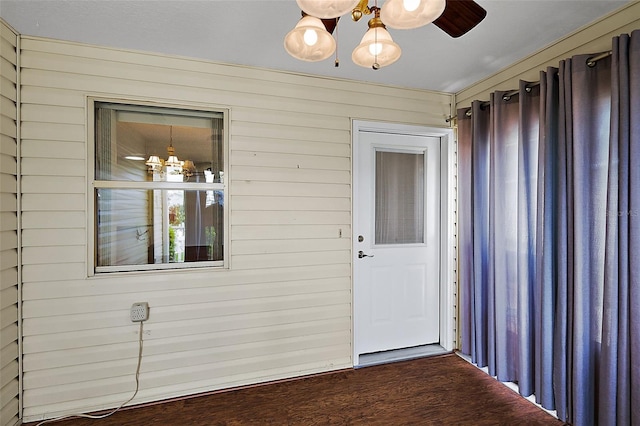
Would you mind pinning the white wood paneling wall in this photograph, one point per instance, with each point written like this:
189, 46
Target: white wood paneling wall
9, 365
283, 309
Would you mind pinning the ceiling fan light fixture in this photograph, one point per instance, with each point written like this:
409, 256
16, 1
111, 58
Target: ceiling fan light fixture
309, 40
377, 49
326, 9
408, 14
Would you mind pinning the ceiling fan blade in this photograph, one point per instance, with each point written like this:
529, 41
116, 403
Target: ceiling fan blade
460, 16
330, 24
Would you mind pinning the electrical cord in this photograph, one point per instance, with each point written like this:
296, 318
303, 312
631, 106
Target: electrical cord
115, 410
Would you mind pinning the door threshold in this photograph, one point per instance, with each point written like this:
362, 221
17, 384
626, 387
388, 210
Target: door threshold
404, 354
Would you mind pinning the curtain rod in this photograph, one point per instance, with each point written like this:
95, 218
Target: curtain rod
591, 62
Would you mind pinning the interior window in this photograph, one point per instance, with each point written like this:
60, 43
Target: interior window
159, 188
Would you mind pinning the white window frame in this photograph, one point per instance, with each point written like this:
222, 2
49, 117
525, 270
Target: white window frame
92, 184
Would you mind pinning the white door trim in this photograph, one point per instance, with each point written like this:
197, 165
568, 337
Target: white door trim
447, 215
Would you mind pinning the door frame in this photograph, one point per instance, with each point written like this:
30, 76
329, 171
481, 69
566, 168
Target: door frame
448, 213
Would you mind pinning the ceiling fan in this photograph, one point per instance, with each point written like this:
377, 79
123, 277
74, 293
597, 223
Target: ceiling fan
311, 39
459, 17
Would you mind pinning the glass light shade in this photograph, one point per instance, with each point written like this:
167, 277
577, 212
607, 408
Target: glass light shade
188, 165
173, 161
382, 44
154, 161
188, 168
309, 40
326, 9
399, 14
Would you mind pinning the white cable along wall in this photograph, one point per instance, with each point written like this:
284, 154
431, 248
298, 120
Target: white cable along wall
283, 309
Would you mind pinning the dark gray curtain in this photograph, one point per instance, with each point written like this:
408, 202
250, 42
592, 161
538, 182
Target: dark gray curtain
585, 99
550, 236
465, 242
526, 216
620, 357
498, 156
480, 217
502, 280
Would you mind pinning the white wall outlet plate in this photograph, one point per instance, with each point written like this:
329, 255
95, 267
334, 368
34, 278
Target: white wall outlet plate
140, 312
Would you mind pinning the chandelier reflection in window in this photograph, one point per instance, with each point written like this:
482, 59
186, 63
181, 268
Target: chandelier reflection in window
171, 169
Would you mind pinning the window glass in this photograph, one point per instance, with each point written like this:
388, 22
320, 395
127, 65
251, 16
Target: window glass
399, 198
130, 141
159, 188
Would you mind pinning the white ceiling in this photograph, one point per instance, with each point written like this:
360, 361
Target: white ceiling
251, 33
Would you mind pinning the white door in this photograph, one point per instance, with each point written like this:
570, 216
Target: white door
396, 241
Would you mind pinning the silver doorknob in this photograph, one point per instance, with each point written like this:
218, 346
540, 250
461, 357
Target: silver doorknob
361, 255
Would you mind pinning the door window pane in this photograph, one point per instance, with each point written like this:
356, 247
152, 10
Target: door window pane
399, 198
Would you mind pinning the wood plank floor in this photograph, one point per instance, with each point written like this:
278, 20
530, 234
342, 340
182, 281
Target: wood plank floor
437, 390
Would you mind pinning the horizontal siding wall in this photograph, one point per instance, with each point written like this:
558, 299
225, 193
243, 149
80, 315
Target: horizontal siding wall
9, 366
282, 310
593, 38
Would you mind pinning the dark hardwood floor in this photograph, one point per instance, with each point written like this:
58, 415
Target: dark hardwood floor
438, 390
